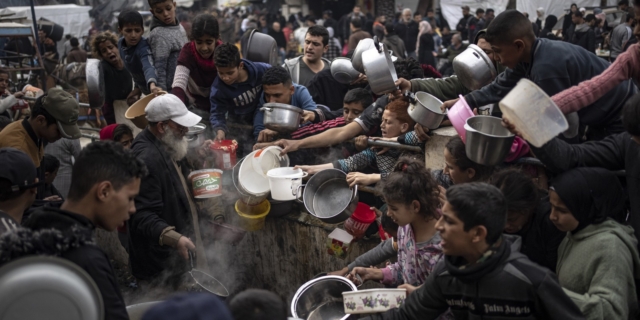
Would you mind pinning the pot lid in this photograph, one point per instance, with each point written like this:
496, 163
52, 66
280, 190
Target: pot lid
282, 106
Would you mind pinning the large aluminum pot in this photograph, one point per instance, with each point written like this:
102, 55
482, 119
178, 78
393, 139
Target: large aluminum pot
425, 110
474, 68
342, 70
95, 83
380, 71
321, 298
327, 196
488, 142
259, 47
281, 117
356, 59
195, 136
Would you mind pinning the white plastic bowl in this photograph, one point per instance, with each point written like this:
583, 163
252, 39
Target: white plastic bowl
284, 182
267, 159
533, 113
373, 300
252, 181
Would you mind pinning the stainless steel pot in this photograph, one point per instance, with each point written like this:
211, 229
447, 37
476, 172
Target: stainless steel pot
342, 70
281, 117
321, 298
487, 141
195, 136
474, 68
95, 83
327, 196
380, 71
260, 47
356, 59
425, 110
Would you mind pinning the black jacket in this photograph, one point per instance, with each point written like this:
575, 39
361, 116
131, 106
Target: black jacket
162, 202
426, 49
585, 37
326, 90
505, 286
409, 34
616, 152
281, 42
75, 243
462, 26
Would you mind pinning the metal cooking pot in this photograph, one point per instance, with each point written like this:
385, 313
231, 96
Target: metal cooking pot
259, 47
281, 117
356, 59
342, 70
95, 83
195, 136
474, 68
425, 110
321, 298
327, 196
380, 71
487, 141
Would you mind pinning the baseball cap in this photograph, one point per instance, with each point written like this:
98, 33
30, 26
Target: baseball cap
169, 107
64, 108
18, 168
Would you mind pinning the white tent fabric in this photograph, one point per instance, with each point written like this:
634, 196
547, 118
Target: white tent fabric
75, 19
555, 7
451, 9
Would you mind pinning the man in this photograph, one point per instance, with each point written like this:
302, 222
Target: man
159, 233
357, 33
623, 5
18, 187
329, 21
483, 275
393, 42
620, 35
433, 20
303, 68
461, 27
408, 29
76, 54
583, 34
453, 51
378, 26
489, 15
276, 33
105, 182
475, 24
53, 116
344, 30
278, 88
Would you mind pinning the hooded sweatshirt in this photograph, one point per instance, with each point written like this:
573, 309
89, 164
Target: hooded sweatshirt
394, 43
585, 37
166, 41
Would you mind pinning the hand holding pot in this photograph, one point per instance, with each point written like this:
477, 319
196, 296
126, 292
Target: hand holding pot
362, 78
307, 116
410, 288
183, 247
448, 104
366, 274
314, 169
287, 146
342, 272
358, 178
361, 142
403, 84
18, 94
421, 132
511, 127
267, 135
220, 135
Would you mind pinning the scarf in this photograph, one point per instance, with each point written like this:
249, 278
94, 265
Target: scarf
425, 27
107, 132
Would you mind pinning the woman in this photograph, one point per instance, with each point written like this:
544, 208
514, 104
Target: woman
598, 260
425, 45
547, 32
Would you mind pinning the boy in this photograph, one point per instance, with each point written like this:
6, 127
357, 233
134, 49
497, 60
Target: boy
552, 65
104, 183
50, 166
76, 54
483, 275
18, 185
166, 39
134, 50
237, 89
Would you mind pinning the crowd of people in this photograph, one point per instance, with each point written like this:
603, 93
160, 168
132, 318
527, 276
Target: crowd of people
554, 238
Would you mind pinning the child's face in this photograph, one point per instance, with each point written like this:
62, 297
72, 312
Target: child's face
165, 11
351, 111
132, 33
508, 54
229, 75
391, 127
50, 176
4, 82
205, 46
109, 52
454, 172
278, 93
455, 241
403, 214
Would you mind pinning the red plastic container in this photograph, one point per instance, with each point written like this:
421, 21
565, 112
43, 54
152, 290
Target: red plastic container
225, 153
360, 220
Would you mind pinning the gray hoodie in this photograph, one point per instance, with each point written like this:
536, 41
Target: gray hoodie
166, 41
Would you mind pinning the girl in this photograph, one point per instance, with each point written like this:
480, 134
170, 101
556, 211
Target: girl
458, 168
411, 195
196, 70
118, 81
120, 133
598, 259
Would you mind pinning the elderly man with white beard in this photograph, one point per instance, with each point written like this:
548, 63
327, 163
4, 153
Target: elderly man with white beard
160, 230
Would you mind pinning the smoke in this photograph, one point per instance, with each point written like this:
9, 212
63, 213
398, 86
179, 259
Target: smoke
177, 146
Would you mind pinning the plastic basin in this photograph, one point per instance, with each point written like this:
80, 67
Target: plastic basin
252, 217
458, 115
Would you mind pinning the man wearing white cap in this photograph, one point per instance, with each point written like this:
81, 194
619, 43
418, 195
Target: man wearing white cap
160, 230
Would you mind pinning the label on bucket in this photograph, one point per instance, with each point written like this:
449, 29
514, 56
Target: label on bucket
226, 158
206, 184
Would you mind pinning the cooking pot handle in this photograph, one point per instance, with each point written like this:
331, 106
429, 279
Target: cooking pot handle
298, 194
266, 109
411, 96
219, 217
376, 43
355, 190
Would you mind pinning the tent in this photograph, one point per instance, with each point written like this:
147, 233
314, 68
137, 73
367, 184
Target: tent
556, 7
452, 9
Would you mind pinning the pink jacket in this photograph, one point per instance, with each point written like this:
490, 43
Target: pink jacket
626, 66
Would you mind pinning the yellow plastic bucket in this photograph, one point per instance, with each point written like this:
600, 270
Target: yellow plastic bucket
252, 217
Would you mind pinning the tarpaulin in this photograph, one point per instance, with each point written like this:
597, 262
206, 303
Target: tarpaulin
555, 7
452, 9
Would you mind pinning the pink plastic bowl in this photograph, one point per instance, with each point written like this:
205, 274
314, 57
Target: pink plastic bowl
458, 115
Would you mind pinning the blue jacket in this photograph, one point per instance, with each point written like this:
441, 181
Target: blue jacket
139, 61
301, 98
238, 98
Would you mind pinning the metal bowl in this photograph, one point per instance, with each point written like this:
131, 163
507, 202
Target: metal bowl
487, 141
95, 83
342, 70
260, 47
426, 110
40, 287
356, 59
474, 68
321, 298
281, 117
327, 196
195, 136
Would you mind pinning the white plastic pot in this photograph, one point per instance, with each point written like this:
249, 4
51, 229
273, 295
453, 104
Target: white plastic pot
284, 182
267, 159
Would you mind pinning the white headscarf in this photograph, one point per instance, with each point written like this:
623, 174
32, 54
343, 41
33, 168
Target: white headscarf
425, 27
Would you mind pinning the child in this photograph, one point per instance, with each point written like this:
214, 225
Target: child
257, 304
196, 69
166, 39
135, 52
237, 89
50, 166
458, 168
395, 122
411, 195
483, 275
120, 133
117, 78
7, 100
